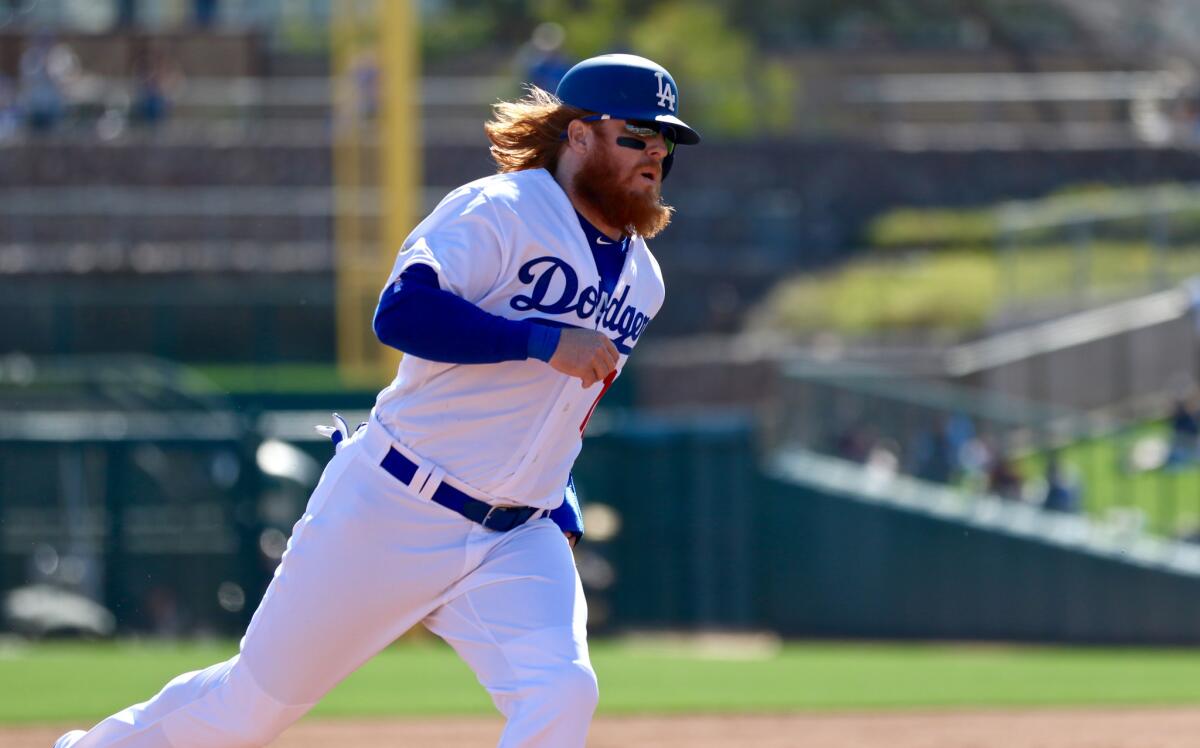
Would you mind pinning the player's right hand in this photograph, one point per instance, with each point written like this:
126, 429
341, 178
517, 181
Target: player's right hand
586, 354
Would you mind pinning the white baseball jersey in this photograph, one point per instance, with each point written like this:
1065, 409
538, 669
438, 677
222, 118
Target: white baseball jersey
512, 244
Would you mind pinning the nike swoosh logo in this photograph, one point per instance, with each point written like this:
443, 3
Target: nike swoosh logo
600, 240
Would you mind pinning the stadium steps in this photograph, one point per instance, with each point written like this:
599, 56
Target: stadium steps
94, 258
148, 160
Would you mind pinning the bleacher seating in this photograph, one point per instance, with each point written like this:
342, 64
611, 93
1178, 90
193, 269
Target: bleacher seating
239, 178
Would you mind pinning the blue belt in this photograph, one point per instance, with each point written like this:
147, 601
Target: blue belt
499, 518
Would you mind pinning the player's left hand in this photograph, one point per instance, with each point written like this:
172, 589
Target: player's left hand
586, 354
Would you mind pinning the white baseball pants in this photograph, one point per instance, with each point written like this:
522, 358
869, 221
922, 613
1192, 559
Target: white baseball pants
369, 559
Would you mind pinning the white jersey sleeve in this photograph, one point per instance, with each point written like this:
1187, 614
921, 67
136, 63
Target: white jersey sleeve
462, 240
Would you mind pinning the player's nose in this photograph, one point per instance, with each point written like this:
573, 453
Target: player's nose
657, 147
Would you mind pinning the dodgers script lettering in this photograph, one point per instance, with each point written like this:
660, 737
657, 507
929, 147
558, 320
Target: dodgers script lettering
555, 290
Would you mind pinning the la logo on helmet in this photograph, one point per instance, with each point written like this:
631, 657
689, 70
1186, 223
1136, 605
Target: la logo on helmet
666, 97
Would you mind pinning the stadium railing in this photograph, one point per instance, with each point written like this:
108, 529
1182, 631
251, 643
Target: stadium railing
1133, 477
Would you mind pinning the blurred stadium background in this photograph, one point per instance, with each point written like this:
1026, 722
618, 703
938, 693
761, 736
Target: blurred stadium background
927, 368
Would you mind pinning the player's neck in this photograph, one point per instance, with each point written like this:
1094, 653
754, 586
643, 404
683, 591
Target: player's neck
585, 208
594, 218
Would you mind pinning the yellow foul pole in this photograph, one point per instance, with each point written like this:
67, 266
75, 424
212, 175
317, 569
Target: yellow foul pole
376, 155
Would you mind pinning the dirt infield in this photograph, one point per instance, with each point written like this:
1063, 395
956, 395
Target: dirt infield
1112, 728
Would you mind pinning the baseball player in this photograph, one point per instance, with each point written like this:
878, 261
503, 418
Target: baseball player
517, 301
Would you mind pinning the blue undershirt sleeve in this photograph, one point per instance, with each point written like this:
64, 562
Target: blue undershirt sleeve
416, 316
543, 341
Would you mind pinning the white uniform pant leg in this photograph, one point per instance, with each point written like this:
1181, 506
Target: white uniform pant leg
520, 621
232, 710
366, 562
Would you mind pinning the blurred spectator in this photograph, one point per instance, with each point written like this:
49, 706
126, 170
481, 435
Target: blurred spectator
365, 73
1185, 434
47, 67
540, 60
974, 459
1062, 489
155, 79
960, 429
884, 456
10, 118
126, 13
1004, 480
936, 454
205, 12
856, 442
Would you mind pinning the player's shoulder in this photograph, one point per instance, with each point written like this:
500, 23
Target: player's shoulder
513, 188
642, 251
647, 267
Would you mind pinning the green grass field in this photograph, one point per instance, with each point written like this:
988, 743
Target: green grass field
283, 378
81, 682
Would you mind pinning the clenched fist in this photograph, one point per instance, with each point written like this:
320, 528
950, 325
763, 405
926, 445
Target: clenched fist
586, 354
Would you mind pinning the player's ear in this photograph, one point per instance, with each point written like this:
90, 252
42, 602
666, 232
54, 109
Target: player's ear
579, 135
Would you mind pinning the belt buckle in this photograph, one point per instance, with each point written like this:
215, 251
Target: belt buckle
488, 516
510, 514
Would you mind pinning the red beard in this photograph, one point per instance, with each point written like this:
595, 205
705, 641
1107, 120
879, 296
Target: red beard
599, 184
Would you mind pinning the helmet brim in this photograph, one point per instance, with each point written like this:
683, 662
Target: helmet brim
686, 135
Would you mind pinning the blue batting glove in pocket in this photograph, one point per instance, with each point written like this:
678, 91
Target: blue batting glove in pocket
568, 515
339, 432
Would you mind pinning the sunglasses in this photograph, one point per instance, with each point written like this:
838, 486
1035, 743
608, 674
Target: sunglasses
641, 128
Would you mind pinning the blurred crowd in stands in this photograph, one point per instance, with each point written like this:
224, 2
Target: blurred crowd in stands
954, 452
204, 12
105, 15
52, 91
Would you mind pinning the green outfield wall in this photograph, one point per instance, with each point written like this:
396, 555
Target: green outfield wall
810, 546
175, 522
842, 566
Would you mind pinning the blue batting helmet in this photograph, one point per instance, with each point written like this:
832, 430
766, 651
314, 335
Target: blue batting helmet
626, 87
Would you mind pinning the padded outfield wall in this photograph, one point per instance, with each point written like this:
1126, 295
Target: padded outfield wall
700, 536
819, 547
845, 562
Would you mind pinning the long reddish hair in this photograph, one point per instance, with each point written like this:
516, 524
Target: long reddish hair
527, 133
